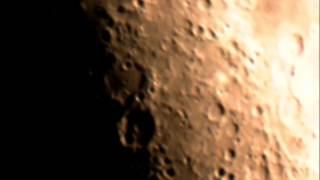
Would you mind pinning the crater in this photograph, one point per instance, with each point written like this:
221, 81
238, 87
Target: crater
105, 36
141, 3
137, 128
231, 176
215, 112
221, 172
231, 154
171, 172
125, 80
104, 16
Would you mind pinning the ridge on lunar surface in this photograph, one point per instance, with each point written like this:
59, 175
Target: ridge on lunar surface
211, 89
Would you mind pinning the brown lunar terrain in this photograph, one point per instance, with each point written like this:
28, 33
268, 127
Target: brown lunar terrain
212, 89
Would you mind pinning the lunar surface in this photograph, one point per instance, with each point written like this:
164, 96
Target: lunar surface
209, 89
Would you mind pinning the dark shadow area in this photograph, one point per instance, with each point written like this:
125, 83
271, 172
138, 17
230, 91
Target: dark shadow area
83, 119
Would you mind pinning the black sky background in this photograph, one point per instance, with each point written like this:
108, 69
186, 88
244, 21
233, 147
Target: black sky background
59, 121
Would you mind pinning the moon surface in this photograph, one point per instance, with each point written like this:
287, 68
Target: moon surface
212, 89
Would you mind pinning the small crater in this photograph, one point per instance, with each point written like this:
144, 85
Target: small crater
167, 161
182, 114
231, 176
171, 172
201, 29
232, 154
129, 28
238, 140
126, 66
238, 47
168, 109
225, 53
235, 45
162, 149
189, 27
264, 157
221, 172
121, 9
213, 34
259, 110
221, 108
266, 172
236, 128
300, 43
104, 15
105, 36
208, 3
151, 89
215, 112
252, 61
292, 71
141, 96
141, 3
187, 161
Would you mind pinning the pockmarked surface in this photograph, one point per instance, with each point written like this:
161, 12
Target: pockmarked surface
213, 89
